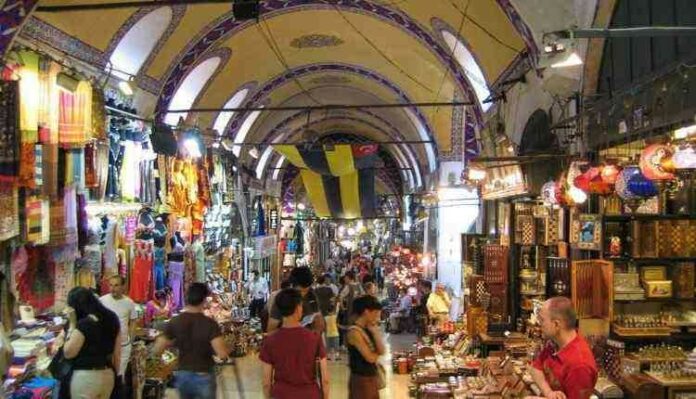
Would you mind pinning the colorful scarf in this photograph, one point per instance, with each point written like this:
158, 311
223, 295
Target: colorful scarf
48, 101
9, 212
75, 119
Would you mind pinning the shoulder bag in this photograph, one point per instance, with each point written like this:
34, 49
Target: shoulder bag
317, 368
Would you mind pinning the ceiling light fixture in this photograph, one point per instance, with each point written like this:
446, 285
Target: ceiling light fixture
125, 87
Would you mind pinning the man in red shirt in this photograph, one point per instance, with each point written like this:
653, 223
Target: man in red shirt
565, 368
289, 355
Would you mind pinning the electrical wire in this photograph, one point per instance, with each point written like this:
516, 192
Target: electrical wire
380, 52
486, 31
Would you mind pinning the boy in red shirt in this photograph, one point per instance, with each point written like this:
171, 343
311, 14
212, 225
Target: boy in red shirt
565, 368
289, 354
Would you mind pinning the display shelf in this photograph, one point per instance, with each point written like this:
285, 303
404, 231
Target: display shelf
641, 332
662, 300
622, 218
649, 260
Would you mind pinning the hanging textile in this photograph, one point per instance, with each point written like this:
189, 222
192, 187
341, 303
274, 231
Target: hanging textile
339, 179
98, 120
141, 273
49, 101
260, 219
75, 118
49, 174
9, 137
298, 238
37, 220
9, 212
29, 90
36, 284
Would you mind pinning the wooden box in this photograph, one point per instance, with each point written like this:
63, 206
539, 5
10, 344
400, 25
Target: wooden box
476, 321
558, 277
592, 289
653, 273
477, 289
640, 386
645, 239
658, 289
684, 280
525, 230
495, 264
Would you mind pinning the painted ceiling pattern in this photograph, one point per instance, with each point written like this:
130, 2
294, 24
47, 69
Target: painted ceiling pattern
393, 51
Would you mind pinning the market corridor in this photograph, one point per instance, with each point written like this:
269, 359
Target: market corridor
244, 381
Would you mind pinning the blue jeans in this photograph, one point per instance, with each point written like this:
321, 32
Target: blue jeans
192, 385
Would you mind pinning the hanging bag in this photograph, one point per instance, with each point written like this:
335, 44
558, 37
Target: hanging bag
317, 368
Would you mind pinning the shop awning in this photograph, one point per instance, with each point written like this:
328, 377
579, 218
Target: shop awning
339, 179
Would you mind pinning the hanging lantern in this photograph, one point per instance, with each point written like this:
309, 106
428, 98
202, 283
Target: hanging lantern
684, 157
610, 173
622, 182
560, 191
642, 186
583, 182
577, 195
574, 195
597, 184
548, 193
656, 162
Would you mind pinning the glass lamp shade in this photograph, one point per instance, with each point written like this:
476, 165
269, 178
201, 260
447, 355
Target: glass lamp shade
642, 186
574, 171
610, 173
548, 193
583, 181
684, 157
656, 162
622, 182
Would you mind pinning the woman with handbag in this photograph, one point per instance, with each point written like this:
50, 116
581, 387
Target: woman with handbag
293, 357
365, 346
92, 345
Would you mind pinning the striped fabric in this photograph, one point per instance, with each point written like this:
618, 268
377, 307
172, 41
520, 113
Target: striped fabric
37, 219
339, 179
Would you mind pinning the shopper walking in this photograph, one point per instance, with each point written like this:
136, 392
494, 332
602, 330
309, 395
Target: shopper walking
332, 336
258, 293
198, 338
325, 294
365, 346
124, 308
290, 354
93, 343
302, 280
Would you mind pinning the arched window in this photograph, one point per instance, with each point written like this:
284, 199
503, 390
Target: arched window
422, 132
136, 45
244, 130
261, 165
471, 68
224, 117
186, 94
279, 165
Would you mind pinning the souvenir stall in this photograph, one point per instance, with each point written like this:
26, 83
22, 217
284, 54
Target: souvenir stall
90, 191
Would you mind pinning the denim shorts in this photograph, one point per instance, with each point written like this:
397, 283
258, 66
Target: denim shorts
332, 343
192, 385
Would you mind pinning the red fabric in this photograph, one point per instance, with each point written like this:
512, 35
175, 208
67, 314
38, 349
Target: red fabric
292, 353
572, 370
142, 271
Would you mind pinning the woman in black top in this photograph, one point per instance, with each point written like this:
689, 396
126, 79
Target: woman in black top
93, 344
365, 346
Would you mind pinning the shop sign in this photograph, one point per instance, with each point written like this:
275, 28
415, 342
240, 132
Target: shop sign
263, 246
503, 182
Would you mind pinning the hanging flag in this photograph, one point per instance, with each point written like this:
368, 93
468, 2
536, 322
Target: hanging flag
339, 179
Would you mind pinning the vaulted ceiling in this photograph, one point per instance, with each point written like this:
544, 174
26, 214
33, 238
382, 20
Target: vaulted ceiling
310, 52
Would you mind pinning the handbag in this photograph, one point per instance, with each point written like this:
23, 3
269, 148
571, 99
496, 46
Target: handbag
317, 368
62, 370
381, 376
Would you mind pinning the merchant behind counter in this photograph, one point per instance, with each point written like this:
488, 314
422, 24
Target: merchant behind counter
566, 367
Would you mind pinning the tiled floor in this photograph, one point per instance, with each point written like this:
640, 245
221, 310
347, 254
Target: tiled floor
244, 380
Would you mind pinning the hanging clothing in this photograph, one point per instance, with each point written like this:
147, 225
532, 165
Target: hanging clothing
199, 260
49, 101
141, 274
9, 212
98, 122
158, 269
36, 284
130, 170
49, 174
9, 135
37, 220
75, 119
110, 242
176, 283
189, 267
29, 90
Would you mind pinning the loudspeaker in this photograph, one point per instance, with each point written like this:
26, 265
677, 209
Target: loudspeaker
245, 9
